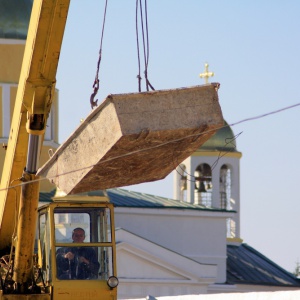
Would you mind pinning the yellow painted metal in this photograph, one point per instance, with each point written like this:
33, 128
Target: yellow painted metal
81, 198
10, 72
78, 290
26, 229
1, 114
217, 153
82, 289
34, 96
25, 297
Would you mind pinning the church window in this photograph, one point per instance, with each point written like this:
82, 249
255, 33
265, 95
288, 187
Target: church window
183, 181
226, 201
231, 228
203, 185
49, 127
225, 187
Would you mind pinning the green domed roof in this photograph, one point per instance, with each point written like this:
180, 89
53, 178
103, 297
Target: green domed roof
14, 19
222, 140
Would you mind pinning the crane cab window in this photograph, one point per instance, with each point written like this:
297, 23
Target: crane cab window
95, 222
83, 243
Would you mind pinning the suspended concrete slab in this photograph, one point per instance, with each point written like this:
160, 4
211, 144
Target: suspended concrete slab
135, 138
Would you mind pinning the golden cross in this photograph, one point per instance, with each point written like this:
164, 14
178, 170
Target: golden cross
206, 73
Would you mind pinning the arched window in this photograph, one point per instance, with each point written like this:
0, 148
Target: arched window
231, 228
203, 185
225, 187
181, 169
225, 198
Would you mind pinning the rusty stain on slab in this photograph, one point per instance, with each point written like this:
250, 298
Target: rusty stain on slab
135, 138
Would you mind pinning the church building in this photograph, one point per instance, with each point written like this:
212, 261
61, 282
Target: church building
190, 244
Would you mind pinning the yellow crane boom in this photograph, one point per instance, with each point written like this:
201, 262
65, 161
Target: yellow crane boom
32, 107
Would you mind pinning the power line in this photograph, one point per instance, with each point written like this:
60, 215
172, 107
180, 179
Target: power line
157, 146
266, 114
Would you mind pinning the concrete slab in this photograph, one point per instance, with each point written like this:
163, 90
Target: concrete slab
135, 138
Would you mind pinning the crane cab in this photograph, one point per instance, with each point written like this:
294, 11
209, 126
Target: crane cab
76, 249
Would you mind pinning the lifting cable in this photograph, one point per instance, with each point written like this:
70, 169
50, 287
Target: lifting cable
96, 81
145, 44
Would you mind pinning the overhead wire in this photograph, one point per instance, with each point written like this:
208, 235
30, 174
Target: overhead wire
146, 47
192, 178
157, 146
148, 84
143, 36
138, 47
266, 114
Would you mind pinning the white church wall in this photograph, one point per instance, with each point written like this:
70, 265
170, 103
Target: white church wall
199, 235
286, 295
247, 288
147, 268
179, 188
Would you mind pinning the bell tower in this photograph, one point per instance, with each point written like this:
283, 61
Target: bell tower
210, 177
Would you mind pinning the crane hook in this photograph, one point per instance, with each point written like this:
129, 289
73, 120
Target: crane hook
93, 102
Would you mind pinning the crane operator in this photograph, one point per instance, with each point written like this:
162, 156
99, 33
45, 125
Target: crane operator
77, 262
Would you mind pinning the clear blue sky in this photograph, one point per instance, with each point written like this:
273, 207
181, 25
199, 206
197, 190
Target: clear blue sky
252, 46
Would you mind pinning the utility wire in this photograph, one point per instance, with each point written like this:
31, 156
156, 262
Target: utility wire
157, 146
148, 84
266, 114
146, 48
138, 47
221, 154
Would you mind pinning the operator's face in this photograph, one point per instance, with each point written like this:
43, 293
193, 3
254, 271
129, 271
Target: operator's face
78, 236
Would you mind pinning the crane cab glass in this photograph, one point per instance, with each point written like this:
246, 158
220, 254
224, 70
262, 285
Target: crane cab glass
82, 243
78, 233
